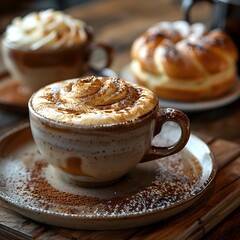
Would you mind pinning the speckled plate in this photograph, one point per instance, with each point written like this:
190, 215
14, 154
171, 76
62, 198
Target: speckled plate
151, 192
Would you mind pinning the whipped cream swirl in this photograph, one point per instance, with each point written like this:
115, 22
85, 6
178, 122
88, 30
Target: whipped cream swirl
45, 29
93, 101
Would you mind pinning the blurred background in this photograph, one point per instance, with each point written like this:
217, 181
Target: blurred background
12, 8
118, 23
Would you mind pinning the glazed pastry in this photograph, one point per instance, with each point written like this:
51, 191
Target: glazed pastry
183, 62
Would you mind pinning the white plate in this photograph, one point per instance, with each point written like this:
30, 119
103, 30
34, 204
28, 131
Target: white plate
232, 96
151, 192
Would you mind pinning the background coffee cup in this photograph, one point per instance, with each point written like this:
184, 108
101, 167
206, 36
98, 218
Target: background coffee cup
36, 68
97, 155
225, 16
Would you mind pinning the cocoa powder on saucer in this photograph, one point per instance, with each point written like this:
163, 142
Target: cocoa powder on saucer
33, 184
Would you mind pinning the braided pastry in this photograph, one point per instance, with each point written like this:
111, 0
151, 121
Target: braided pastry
182, 62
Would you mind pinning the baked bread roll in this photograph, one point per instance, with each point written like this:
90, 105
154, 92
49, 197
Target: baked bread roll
183, 62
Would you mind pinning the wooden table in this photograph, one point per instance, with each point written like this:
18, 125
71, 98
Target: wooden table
119, 22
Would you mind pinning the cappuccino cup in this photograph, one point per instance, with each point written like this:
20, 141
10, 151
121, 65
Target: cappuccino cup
48, 46
94, 130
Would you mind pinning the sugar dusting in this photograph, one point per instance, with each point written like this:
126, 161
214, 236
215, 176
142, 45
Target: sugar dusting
31, 184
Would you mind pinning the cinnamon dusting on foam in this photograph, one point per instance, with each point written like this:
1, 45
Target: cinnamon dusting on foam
93, 101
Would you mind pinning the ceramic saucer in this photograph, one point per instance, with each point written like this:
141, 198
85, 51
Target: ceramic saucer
14, 96
232, 96
151, 192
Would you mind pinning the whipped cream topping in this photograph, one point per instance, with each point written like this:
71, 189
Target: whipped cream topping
93, 101
45, 29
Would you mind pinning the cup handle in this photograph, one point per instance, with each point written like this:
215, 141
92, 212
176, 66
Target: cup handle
187, 5
165, 115
109, 55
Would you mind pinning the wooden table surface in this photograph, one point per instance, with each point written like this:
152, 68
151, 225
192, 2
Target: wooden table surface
119, 22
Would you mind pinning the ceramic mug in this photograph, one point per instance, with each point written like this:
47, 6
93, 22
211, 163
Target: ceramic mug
225, 16
94, 130
41, 61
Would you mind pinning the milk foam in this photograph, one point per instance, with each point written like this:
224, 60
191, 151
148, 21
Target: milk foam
93, 101
45, 29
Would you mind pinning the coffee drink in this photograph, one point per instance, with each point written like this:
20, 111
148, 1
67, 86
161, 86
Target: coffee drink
94, 130
93, 101
47, 29
48, 46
